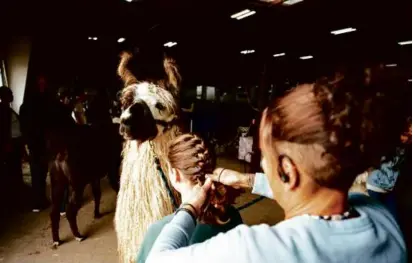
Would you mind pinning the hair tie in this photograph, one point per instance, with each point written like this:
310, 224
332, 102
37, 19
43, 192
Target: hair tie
219, 176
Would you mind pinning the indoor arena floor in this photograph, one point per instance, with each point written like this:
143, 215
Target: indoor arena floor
25, 237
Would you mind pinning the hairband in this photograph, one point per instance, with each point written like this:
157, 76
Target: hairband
219, 176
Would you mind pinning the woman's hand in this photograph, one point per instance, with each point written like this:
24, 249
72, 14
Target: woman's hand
232, 178
196, 196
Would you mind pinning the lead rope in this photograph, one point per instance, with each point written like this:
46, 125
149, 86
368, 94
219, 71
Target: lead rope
164, 179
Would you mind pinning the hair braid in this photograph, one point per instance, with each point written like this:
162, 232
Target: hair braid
189, 154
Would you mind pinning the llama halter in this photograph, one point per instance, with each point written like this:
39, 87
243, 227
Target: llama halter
164, 179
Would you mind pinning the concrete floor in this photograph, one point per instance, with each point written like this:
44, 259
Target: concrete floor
25, 237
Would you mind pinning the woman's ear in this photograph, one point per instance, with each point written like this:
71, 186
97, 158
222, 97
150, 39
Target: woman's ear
288, 173
175, 176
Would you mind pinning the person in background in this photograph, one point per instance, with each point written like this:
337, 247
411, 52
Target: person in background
35, 116
189, 162
12, 144
79, 113
381, 181
314, 141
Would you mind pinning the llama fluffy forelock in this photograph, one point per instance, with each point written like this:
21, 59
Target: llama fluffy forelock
151, 95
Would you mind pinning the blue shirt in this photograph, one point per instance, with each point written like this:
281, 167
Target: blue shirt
386, 176
373, 236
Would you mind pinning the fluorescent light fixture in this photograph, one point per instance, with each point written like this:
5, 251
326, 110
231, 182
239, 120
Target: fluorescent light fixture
292, 2
343, 31
246, 15
90, 38
279, 55
120, 40
240, 13
409, 80
402, 43
306, 57
170, 44
247, 51
95, 38
128, 1
391, 65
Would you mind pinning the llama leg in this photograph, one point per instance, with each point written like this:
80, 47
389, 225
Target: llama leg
75, 201
58, 184
97, 195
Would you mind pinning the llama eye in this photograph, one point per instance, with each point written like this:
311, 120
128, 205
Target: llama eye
159, 106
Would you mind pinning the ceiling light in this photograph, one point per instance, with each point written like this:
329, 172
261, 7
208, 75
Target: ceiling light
306, 57
391, 65
291, 2
170, 44
90, 38
279, 55
343, 31
120, 40
402, 43
409, 80
246, 15
129, 1
247, 51
240, 13
95, 38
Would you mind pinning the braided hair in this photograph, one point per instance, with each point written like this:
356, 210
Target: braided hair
189, 154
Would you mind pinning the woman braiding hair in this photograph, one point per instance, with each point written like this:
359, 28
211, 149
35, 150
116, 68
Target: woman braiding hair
314, 141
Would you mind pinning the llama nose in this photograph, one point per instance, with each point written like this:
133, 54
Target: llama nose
137, 123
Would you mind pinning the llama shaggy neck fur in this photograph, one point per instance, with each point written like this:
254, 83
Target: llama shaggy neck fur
143, 197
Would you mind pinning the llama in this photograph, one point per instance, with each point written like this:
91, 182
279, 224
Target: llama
148, 123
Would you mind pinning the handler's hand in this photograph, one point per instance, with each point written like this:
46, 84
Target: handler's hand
231, 178
197, 195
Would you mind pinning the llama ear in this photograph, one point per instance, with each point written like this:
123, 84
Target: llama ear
173, 77
123, 71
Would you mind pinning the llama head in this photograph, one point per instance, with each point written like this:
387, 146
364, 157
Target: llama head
150, 98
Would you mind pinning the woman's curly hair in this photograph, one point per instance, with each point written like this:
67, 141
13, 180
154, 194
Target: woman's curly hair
339, 126
189, 154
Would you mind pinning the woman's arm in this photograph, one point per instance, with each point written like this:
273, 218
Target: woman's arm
173, 241
258, 181
261, 186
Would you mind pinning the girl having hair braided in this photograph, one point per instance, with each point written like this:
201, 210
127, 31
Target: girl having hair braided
190, 161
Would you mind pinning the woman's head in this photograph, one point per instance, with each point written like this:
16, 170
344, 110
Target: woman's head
320, 136
190, 160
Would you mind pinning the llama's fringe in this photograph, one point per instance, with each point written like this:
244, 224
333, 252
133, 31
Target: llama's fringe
143, 198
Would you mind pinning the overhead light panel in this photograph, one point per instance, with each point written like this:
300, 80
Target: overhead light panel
170, 44
402, 43
122, 39
291, 2
250, 51
343, 31
306, 57
240, 13
391, 65
95, 38
409, 80
279, 55
92, 38
129, 1
243, 14
246, 15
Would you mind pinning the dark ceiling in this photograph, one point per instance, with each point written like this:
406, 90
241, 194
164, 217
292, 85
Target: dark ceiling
209, 41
